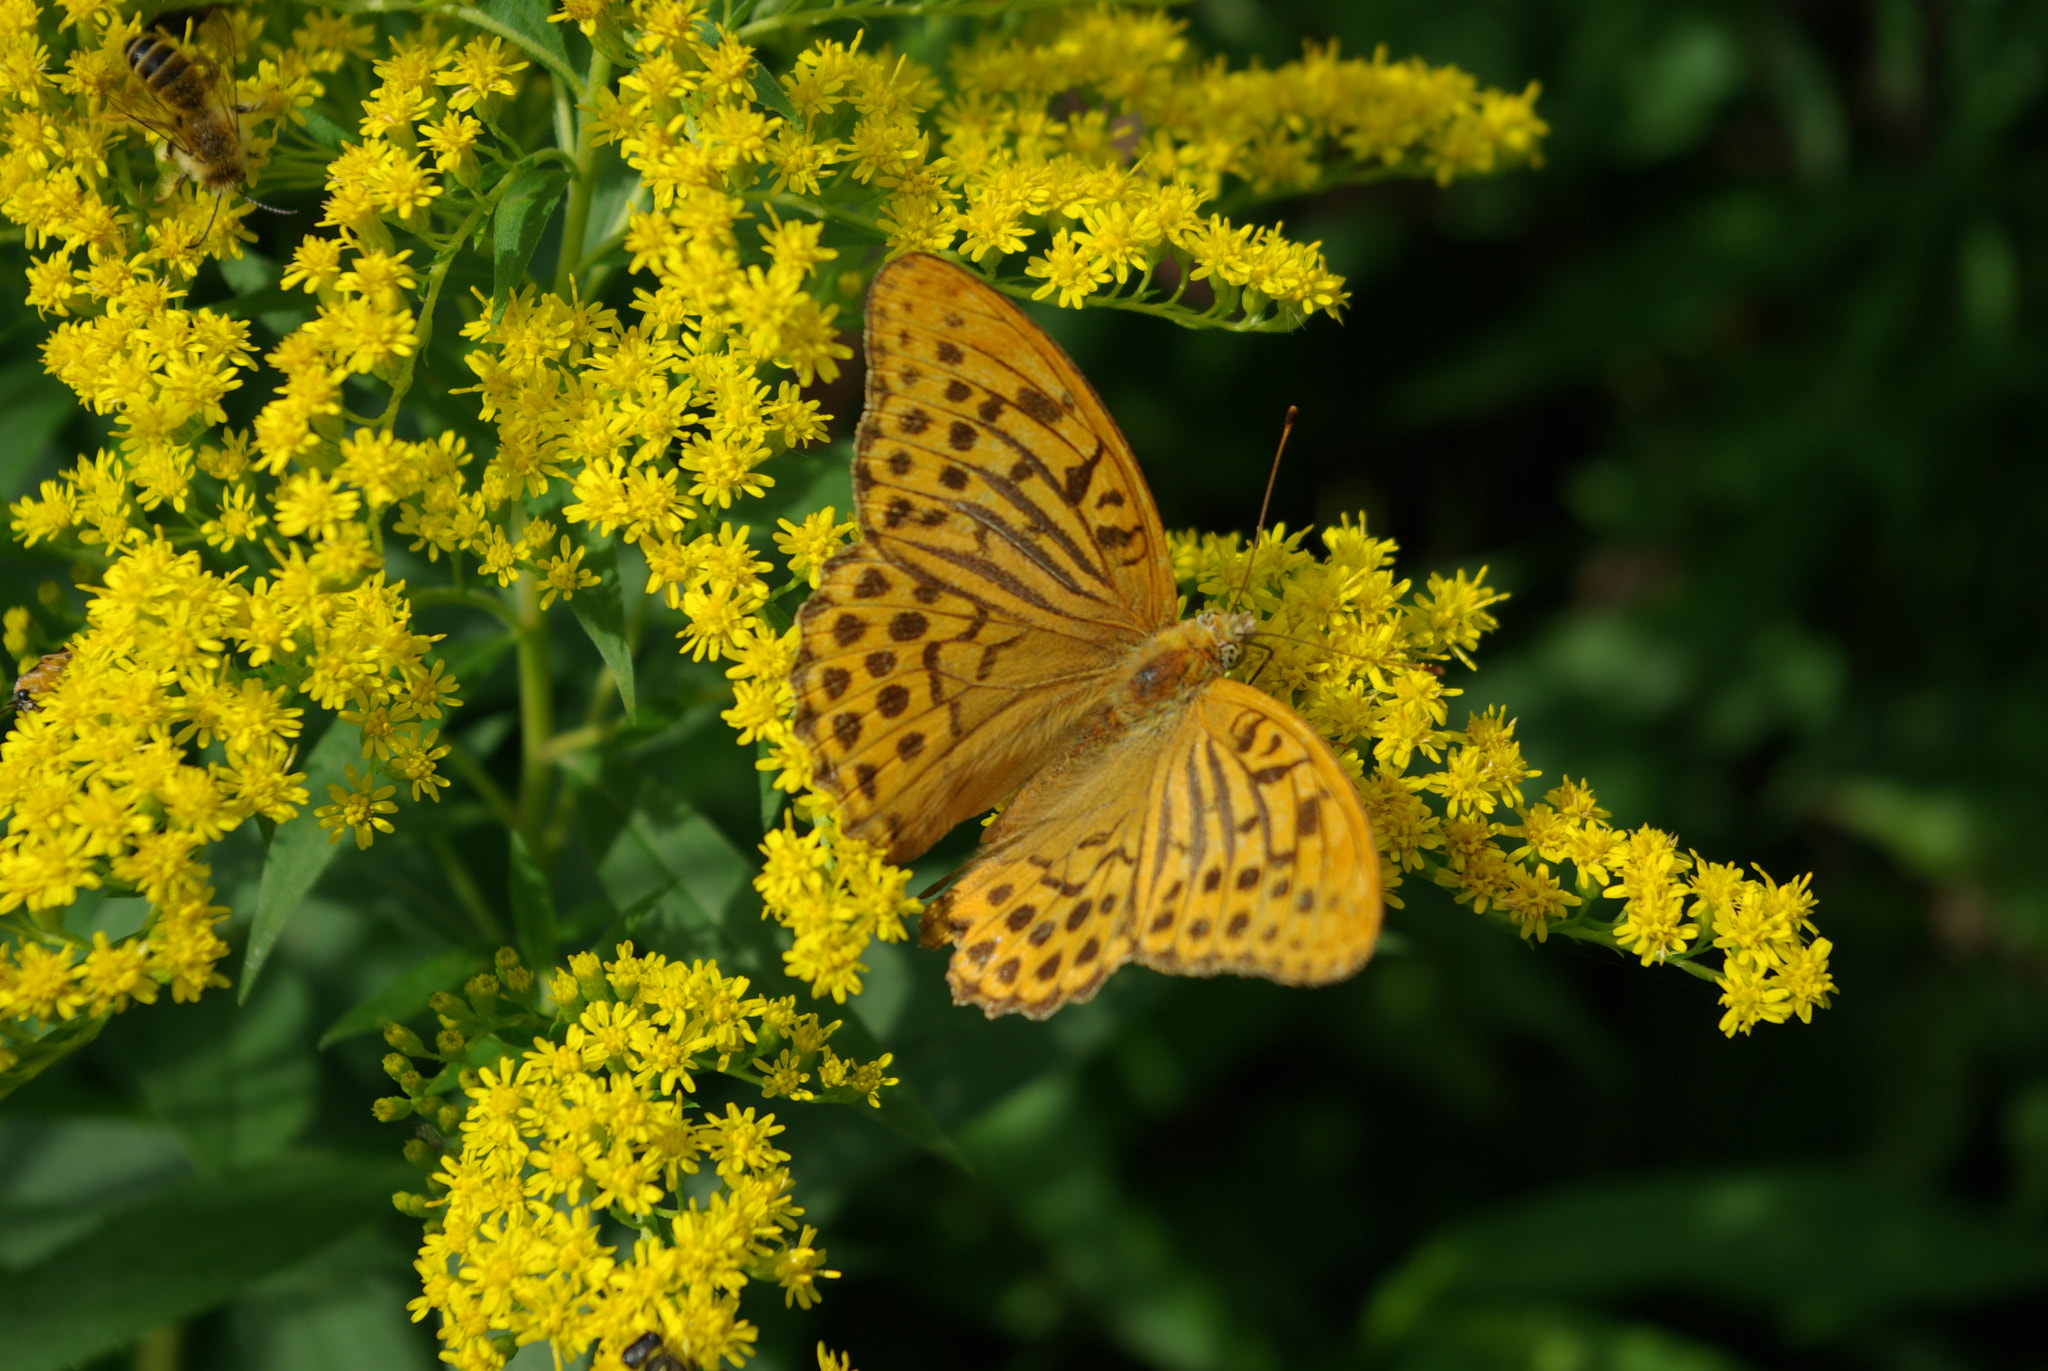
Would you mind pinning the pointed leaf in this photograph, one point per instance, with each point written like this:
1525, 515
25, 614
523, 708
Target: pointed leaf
602, 611
405, 994
770, 93
533, 907
523, 209
300, 851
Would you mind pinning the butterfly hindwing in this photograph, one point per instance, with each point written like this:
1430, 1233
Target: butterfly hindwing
1042, 916
1258, 859
1225, 841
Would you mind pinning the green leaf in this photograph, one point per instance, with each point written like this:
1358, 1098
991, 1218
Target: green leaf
237, 1082
769, 92
353, 1324
181, 1251
602, 611
249, 274
533, 906
1516, 1336
64, 1173
299, 852
526, 201
36, 409
322, 130
900, 1108
1820, 1248
404, 995
686, 859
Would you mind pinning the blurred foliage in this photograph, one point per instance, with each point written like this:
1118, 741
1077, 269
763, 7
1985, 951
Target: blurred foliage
1742, 397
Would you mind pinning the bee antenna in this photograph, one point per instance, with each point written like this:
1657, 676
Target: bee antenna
260, 205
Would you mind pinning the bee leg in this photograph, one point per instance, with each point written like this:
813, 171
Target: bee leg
173, 175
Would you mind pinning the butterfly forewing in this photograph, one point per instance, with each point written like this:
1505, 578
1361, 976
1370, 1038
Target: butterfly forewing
986, 460
1258, 859
922, 707
1010, 559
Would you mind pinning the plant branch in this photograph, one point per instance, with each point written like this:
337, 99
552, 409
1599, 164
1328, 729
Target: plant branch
576, 219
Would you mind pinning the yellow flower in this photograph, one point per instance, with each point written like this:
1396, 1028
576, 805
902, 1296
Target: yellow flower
360, 805
564, 574
483, 70
810, 544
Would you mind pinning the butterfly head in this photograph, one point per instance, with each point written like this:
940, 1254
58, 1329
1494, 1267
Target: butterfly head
1228, 633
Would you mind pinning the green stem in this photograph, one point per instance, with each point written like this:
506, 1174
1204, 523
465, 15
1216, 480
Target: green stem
883, 9
536, 712
436, 275
589, 735
818, 209
468, 599
1601, 934
577, 217
493, 796
467, 890
1276, 322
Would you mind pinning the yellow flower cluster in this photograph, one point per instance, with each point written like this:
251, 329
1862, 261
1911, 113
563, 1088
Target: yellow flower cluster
598, 1123
1102, 142
1112, 140
178, 715
1350, 647
1110, 189
836, 894
162, 734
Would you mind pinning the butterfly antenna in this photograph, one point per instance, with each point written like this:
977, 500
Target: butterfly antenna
1253, 679
1273, 474
1431, 667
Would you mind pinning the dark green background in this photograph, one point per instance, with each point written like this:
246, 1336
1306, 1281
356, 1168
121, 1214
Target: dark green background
1742, 397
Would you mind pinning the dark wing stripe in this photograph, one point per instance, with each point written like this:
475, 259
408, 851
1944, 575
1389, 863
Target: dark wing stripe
1034, 513
983, 569
1226, 817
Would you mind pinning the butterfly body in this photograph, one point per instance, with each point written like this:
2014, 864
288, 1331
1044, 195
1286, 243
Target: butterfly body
1007, 629
1163, 674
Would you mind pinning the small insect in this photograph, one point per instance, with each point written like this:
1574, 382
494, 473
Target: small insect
38, 679
649, 1354
185, 94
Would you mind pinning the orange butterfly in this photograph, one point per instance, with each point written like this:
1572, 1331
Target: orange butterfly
1008, 620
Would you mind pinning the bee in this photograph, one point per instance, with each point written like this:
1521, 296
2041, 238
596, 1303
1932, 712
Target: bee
38, 679
185, 94
648, 1353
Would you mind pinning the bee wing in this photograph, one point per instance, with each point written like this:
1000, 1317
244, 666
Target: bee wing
208, 35
135, 102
